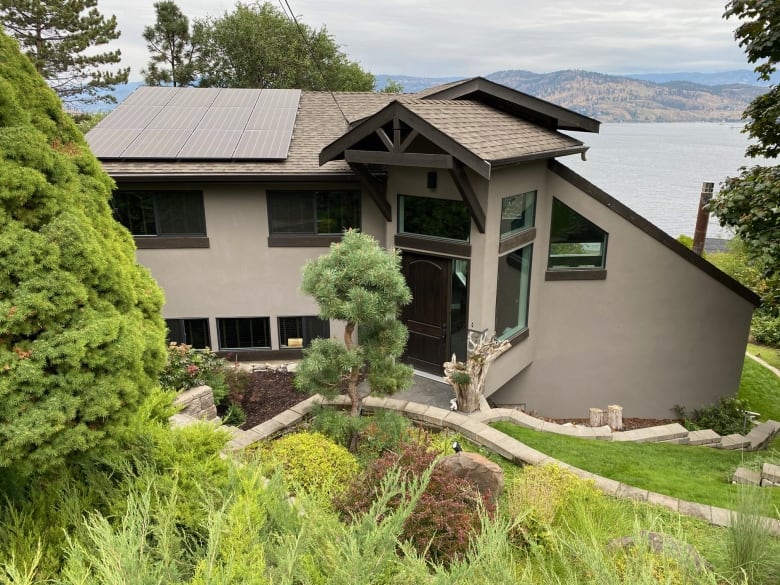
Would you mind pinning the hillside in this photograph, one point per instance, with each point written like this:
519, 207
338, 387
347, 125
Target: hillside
611, 98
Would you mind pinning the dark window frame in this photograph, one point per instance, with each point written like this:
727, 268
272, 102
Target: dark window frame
255, 324
157, 217
518, 333
402, 227
575, 268
308, 329
512, 233
184, 331
311, 233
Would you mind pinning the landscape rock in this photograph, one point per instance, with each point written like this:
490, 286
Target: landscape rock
488, 477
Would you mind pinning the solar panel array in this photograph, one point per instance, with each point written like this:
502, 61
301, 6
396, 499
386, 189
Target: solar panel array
175, 123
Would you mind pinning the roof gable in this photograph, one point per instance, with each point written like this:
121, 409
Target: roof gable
477, 135
512, 101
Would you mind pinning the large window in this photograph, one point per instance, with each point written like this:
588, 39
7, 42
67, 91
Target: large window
440, 218
299, 331
514, 280
313, 212
575, 242
517, 213
193, 332
160, 213
244, 333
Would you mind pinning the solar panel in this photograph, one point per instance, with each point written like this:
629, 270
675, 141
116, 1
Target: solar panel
210, 144
199, 123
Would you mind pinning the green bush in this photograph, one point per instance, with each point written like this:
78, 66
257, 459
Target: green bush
765, 328
540, 497
376, 433
447, 513
725, 418
311, 462
186, 368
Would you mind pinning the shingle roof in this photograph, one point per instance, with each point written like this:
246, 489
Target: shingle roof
323, 117
490, 134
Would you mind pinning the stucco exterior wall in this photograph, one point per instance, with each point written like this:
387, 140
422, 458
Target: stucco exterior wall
656, 333
239, 275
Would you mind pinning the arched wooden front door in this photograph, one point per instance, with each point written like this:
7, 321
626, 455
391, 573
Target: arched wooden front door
427, 317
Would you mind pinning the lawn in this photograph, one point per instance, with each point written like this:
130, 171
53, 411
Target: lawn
769, 354
696, 474
761, 389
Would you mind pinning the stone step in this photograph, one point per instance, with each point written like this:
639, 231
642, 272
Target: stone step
761, 434
734, 441
771, 473
653, 434
704, 437
746, 476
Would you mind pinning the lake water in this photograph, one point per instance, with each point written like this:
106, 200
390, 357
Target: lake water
657, 169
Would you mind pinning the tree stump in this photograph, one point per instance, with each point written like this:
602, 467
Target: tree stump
598, 417
615, 417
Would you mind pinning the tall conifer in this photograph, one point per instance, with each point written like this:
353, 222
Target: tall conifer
58, 36
81, 336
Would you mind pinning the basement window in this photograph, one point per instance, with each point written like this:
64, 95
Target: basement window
244, 333
295, 332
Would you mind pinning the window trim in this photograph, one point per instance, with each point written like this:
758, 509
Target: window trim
585, 272
522, 332
283, 346
512, 234
167, 240
307, 239
251, 347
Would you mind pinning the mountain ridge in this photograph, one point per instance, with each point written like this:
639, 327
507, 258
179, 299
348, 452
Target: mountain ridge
676, 97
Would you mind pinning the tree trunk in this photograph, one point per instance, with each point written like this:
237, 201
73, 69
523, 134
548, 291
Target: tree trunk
468, 379
354, 374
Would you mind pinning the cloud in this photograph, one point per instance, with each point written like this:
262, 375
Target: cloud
463, 37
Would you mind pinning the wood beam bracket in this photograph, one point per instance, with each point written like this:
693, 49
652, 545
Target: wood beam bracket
376, 189
461, 180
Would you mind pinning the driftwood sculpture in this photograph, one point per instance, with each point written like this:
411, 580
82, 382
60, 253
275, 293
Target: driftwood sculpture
468, 378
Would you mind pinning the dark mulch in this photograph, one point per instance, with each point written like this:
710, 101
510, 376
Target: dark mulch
271, 392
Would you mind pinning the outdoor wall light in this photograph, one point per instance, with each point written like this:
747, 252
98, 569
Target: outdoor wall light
432, 179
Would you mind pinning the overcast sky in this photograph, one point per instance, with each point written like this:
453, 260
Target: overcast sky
439, 38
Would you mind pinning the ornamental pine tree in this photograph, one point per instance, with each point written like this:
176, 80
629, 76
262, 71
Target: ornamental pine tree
81, 335
361, 284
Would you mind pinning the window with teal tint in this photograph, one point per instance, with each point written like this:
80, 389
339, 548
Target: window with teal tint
517, 213
575, 242
514, 282
325, 212
160, 213
192, 332
440, 218
302, 328
244, 333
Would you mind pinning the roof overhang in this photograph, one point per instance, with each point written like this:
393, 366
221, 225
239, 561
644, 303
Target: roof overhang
396, 152
510, 100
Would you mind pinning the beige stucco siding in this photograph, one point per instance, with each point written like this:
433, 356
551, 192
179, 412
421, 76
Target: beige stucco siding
239, 275
657, 332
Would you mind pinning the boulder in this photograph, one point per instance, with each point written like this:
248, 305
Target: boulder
486, 476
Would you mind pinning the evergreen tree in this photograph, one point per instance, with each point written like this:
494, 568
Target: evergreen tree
750, 203
258, 46
57, 36
170, 44
361, 284
81, 335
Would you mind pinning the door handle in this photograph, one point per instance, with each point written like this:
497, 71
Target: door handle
444, 331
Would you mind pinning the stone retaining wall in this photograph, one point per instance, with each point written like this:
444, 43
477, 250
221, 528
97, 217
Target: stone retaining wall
197, 403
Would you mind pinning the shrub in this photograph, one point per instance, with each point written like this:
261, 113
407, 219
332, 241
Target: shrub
311, 462
541, 496
446, 515
186, 368
765, 328
725, 418
749, 549
376, 433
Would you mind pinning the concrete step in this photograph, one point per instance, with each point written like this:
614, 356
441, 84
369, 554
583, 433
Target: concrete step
746, 476
704, 437
734, 441
761, 434
653, 434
